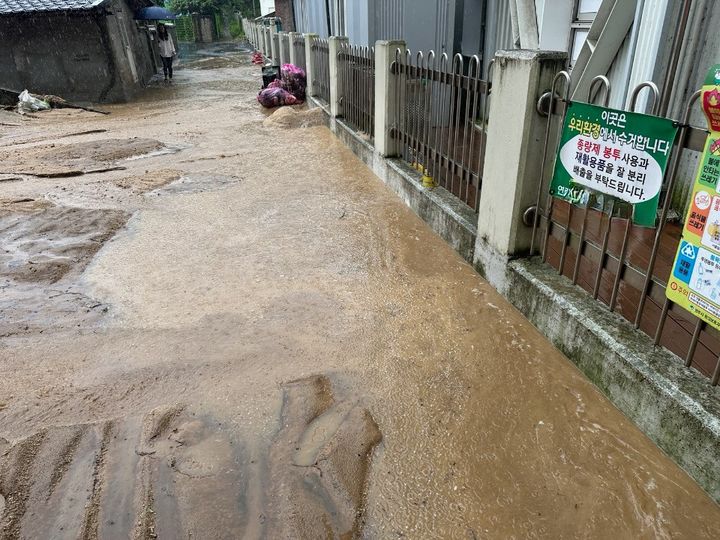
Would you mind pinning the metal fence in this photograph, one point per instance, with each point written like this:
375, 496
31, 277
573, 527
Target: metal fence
298, 44
441, 120
321, 68
357, 87
622, 265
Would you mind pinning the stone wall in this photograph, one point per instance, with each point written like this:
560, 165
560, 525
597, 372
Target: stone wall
85, 56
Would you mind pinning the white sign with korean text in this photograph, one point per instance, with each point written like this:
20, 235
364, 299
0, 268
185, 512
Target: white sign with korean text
619, 170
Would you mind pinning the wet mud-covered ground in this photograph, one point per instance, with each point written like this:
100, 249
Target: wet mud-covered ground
216, 323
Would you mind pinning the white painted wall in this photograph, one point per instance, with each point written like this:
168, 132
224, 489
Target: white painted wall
554, 18
267, 6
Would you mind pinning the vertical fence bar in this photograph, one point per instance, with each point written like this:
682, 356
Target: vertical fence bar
626, 234
473, 94
439, 120
483, 132
603, 250
566, 77
458, 63
600, 79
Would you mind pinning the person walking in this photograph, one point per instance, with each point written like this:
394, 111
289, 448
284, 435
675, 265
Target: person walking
167, 50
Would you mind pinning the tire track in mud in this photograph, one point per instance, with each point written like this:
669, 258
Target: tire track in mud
173, 473
65, 459
90, 522
15, 482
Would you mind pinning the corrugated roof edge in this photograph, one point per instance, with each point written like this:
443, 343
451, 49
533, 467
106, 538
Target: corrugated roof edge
13, 8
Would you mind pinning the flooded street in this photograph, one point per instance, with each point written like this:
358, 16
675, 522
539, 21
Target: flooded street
219, 324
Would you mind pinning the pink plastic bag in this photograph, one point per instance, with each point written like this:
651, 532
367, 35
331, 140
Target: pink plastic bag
294, 80
275, 97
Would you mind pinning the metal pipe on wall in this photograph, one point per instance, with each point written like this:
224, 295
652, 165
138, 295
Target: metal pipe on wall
671, 74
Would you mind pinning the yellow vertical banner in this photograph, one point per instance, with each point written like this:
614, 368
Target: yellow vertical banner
694, 282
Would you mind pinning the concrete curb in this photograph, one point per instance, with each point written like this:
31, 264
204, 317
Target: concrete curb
674, 406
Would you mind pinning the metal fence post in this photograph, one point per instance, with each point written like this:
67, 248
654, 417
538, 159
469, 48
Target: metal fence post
310, 64
386, 96
292, 36
335, 44
513, 155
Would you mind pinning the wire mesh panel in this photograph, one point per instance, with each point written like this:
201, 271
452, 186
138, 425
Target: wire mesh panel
298, 43
357, 84
321, 72
442, 111
625, 266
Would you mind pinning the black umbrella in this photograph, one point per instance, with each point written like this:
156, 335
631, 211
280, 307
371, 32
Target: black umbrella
154, 13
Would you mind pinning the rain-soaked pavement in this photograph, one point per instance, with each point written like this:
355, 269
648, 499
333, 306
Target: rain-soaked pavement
236, 330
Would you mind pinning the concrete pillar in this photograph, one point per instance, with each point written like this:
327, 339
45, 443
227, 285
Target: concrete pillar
292, 36
513, 156
310, 64
335, 43
386, 102
274, 53
282, 38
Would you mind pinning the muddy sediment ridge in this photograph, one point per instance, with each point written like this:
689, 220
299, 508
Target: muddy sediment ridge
45, 249
62, 160
175, 473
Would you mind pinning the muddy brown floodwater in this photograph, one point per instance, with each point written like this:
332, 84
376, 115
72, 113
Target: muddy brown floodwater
217, 324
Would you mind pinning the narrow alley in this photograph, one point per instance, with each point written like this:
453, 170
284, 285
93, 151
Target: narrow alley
216, 322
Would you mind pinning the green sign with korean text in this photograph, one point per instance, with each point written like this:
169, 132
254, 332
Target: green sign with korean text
617, 153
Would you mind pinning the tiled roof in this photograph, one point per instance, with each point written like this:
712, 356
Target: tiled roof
30, 6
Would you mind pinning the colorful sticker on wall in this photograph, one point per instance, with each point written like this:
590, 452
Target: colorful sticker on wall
694, 282
617, 153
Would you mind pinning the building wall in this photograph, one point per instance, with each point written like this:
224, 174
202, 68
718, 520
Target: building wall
88, 60
284, 10
311, 17
133, 61
357, 22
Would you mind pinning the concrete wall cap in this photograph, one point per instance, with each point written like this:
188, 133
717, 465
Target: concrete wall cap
530, 54
391, 42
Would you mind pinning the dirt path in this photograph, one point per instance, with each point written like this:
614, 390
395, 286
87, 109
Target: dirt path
240, 332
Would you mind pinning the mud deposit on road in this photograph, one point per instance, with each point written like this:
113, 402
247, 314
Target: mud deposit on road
253, 337
72, 159
43, 242
177, 474
291, 118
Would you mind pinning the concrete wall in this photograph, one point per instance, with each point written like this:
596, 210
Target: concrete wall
80, 56
132, 59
